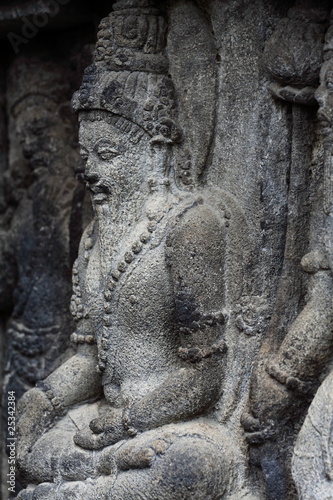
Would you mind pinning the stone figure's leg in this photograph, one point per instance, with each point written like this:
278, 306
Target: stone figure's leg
177, 463
191, 460
71, 490
55, 454
189, 469
74, 490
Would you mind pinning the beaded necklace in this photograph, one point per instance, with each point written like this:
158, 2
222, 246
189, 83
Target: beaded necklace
128, 258
79, 311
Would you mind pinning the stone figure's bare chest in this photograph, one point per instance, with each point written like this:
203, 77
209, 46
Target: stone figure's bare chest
133, 289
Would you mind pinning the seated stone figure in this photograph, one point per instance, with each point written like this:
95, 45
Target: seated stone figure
148, 301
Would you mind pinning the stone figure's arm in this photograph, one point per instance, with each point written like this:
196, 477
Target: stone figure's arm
312, 466
293, 371
74, 381
189, 392
308, 344
195, 254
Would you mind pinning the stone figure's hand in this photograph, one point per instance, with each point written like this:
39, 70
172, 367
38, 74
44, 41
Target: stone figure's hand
102, 431
270, 406
133, 454
304, 95
140, 453
35, 416
257, 432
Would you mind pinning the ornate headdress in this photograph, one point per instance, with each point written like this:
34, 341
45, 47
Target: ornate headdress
129, 77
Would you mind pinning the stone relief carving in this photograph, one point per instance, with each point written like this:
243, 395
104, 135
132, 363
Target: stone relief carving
293, 54
287, 377
171, 314
149, 298
37, 245
312, 458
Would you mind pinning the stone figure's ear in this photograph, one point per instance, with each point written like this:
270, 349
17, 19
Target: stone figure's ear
161, 147
190, 32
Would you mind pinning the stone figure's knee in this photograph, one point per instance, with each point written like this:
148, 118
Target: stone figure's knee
72, 490
192, 468
45, 491
25, 495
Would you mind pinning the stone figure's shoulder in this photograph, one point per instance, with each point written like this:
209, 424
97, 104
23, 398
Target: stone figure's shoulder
197, 221
197, 234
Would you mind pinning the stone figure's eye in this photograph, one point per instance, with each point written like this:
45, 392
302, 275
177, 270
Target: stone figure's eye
108, 154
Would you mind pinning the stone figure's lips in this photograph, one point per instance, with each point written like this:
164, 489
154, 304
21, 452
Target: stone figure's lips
99, 191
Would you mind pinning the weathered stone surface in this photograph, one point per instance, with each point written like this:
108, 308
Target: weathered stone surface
312, 460
39, 196
38, 238
202, 287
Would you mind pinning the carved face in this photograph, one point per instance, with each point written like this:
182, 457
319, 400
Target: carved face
41, 134
324, 96
115, 167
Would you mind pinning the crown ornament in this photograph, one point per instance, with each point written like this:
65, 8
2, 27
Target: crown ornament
132, 38
129, 77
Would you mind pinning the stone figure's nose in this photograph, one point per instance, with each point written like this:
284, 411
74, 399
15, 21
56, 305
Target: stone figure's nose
90, 178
